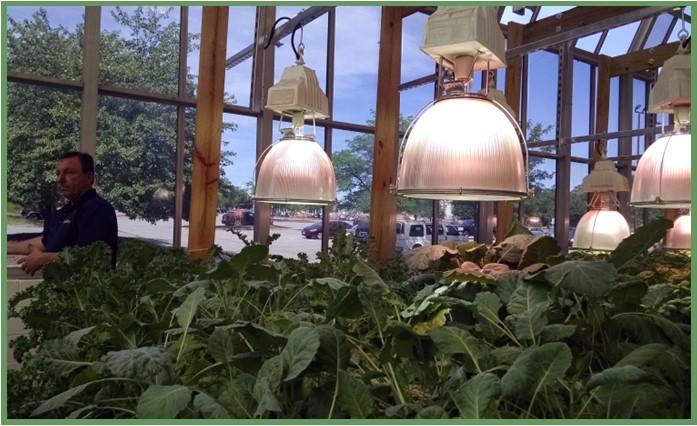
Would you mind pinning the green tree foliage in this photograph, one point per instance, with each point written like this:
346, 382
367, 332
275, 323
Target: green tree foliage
135, 139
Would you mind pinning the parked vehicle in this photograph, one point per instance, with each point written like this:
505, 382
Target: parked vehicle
360, 230
31, 214
411, 235
239, 217
315, 230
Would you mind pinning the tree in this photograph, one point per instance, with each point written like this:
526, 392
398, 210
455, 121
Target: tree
136, 140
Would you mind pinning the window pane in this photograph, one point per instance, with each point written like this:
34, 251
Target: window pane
578, 198
580, 124
314, 38
356, 63
639, 117
538, 208
45, 41
238, 79
135, 165
412, 101
139, 48
659, 30
589, 43
415, 63
542, 91
619, 39
42, 124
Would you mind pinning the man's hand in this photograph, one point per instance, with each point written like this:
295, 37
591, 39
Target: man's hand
36, 259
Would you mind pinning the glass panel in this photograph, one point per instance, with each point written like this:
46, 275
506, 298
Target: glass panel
614, 115
45, 41
135, 165
580, 118
542, 91
659, 30
538, 209
353, 165
415, 63
509, 16
314, 38
192, 57
140, 48
412, 101
589, 43
463, 218
639, 117
238, 79
356, 63
578, 198
618, 39
41, 125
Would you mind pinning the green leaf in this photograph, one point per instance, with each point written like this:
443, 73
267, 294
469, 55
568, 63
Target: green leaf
209, 407
369, 275
539, 251
505, 355
354, 396
536, 368
432, 412
592, 279
627, 295
453, 340
158, 285
650, 328
267, 383
637, 243
59, 400
657, 294
334, 350
144, 363
77, 413
77, 335
643, 355
221, 344
526, 296
61, 357
506, 284
261, 339
345, 304
487, 306
333, 283
238, 396
475, 398
162, 402
627, 374
299, 351
185, 313
530, 324
249, 255
556, 332
517, 228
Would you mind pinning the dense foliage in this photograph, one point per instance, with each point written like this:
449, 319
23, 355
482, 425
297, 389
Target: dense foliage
511, 331
135, 140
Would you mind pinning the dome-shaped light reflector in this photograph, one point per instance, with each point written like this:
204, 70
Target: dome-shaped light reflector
296, 171
463, 148
663, 176
680, 235
600, 230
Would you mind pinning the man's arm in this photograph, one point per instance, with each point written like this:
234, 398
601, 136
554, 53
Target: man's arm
36, 259
24, 246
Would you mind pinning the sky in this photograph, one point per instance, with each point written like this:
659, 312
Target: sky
356, 64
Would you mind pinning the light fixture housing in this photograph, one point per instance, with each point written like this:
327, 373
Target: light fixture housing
464, 147
663, 176
680, 235
298, 91
296, 170
600, 230
602, 227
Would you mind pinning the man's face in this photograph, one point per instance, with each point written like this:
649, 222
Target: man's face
72, 182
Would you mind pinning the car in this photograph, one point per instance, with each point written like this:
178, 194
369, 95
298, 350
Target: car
239, 217
360, 230
315, 230
31, 214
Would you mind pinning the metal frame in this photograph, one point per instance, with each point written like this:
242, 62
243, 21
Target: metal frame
563, 164
181, 128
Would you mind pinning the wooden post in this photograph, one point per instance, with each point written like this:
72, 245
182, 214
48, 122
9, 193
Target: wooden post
90, 78
602, 108
504, 209
262, 79
209, 121
383, 204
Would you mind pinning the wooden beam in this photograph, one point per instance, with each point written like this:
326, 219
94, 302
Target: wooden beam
504, 209
603, 106
383, 204
642, 60
90, 77
209, 121
262, 79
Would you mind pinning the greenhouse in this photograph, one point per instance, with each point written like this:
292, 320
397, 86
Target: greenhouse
347, 212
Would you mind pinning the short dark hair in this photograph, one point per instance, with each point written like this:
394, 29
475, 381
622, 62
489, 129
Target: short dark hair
85, 160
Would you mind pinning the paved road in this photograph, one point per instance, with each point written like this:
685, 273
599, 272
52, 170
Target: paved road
288, 245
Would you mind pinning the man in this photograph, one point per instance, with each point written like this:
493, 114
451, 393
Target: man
86, 217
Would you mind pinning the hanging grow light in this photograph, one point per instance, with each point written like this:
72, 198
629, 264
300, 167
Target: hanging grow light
464, 146
663, 177
680, 235
296, 170
602, 227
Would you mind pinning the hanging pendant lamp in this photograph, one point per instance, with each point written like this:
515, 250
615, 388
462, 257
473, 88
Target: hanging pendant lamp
464, 146
296, 170
602, 227
680, 235
663, 177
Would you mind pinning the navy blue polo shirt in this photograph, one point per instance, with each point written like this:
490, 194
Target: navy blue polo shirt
90, 219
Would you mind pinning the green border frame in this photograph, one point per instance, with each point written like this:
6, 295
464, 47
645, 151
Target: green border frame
3, 227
